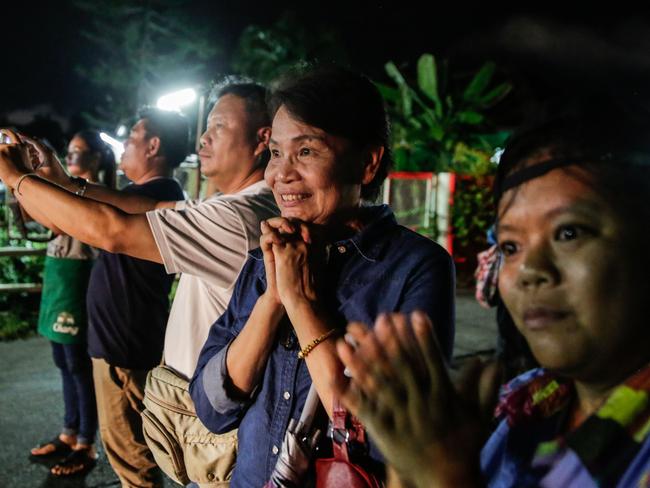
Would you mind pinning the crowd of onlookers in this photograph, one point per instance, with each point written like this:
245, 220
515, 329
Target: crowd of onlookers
302, 305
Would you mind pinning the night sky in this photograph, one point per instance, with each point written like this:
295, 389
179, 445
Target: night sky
541, 52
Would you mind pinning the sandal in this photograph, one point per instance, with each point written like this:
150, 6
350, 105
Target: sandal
76, 463
60, 449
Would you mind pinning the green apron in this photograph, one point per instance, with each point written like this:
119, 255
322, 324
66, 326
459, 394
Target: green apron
62, 317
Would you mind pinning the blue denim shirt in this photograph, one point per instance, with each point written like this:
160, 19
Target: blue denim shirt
383, 268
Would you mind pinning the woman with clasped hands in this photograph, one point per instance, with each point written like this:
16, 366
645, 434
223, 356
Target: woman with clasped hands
328, 259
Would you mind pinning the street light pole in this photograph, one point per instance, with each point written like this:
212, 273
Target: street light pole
197, 143
182, 98
199, 123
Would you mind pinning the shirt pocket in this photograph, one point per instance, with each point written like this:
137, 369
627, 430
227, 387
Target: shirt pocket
363, 300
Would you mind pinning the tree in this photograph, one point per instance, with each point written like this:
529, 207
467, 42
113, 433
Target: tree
443, 126
264, 53
138, 49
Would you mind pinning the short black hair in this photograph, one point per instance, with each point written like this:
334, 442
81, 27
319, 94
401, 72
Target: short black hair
342, 103
254, 96
173, 131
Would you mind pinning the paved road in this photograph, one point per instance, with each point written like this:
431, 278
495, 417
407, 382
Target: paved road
31, 403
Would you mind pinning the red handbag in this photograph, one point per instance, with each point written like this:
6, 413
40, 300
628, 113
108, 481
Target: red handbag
340, 471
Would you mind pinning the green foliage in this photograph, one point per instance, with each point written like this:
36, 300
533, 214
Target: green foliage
264, 53
18, 311
172, 291
14, 326
437, 127
23, 269
140, 47
472, 212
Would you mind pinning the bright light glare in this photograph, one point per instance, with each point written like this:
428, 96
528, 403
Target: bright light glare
121, 131
116, 146
176, 100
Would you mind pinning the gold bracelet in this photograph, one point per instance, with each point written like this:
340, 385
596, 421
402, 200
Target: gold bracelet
20, 180
310, 347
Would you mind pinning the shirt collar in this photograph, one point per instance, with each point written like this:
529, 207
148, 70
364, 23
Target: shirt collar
369, 241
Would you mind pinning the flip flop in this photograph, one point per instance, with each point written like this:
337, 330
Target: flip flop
78, 462
60, 449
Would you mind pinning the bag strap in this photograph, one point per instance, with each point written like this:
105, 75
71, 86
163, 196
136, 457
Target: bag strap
346, 429
340, 433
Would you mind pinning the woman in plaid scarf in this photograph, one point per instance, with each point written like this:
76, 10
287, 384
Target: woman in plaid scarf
572, 232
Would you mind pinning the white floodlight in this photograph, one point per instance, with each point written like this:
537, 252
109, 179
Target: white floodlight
177, 100
116, 146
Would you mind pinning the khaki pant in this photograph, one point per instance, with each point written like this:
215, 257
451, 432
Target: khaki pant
119, 403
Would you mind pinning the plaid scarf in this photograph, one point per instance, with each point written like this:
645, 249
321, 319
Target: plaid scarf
487, 275
606, 442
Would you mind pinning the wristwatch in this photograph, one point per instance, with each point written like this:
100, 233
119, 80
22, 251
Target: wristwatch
81, 183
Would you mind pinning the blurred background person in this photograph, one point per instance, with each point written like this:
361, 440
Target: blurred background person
63, 318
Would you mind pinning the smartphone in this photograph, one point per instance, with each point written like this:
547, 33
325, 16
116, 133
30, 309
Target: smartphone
4, 138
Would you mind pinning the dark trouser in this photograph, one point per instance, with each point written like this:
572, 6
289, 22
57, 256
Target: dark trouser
80, 416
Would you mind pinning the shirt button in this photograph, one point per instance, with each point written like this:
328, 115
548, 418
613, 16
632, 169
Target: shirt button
342, 249
275, 449
286, 395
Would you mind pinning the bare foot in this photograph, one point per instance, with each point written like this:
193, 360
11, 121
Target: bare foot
52, 447
82, 458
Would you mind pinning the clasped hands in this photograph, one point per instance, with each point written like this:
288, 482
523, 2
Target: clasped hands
287, 247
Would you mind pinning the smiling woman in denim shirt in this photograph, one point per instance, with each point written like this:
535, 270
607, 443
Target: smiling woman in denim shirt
327, 260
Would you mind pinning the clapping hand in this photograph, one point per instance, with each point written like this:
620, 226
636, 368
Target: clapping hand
401, 390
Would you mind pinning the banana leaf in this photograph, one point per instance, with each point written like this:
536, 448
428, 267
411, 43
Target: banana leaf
428, 80
480, 82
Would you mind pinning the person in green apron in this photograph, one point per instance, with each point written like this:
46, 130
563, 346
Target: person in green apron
63, 319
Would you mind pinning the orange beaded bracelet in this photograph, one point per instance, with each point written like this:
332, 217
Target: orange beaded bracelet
310, 347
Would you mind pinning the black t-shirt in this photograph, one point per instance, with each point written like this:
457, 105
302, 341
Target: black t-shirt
127, 299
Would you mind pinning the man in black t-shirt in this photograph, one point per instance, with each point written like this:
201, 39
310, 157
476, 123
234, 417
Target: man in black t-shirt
128, 304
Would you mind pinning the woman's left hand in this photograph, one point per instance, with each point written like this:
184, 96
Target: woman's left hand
402, 393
